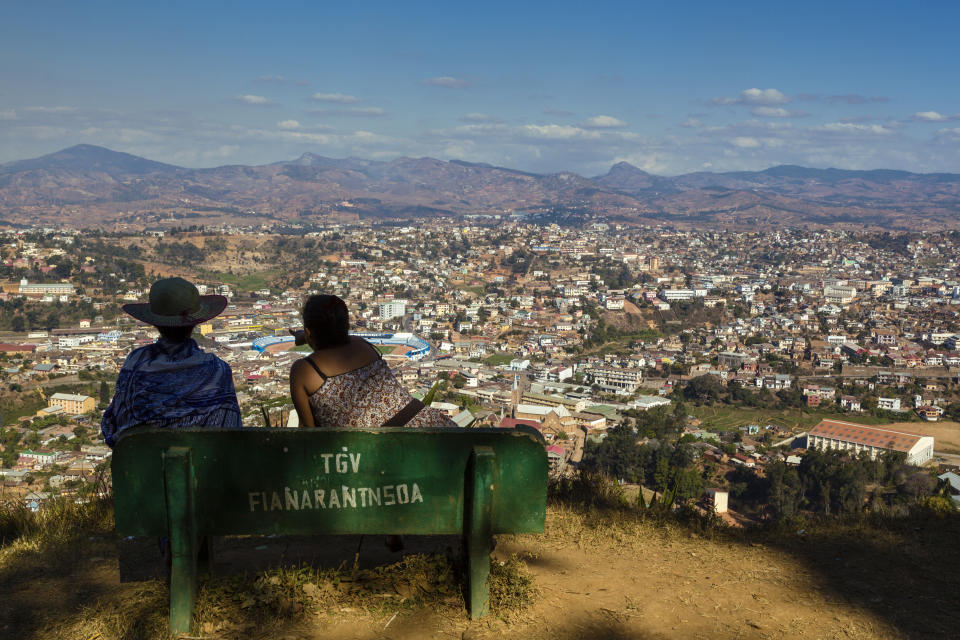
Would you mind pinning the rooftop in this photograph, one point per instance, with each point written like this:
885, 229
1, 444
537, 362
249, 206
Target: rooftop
867, 436
69, 396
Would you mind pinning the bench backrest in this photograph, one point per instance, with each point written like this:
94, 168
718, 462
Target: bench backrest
327, 481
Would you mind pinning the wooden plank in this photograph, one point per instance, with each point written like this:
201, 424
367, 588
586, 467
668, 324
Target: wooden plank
321, 481
179, 489
480, 485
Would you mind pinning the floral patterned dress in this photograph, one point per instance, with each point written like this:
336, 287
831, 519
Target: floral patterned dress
365, 398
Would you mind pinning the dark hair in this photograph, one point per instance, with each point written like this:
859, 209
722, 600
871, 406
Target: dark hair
176, 334
326, 317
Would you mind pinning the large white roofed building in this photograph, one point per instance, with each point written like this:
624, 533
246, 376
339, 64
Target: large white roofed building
856, 438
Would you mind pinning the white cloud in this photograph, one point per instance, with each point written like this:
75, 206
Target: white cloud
337, 98
547, 145
448, 82
777, 112
849, 127
764, 96
933, 116
756, 96
768, 125
745, 142
252, 99
273, 79
603, 122
552, 131
352, 112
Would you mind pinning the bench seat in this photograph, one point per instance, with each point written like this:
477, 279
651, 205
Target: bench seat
187, 484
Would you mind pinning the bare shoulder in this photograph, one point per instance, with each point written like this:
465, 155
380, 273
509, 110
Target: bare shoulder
301, 369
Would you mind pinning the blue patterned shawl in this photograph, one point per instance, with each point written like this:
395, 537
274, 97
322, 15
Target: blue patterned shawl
172, 385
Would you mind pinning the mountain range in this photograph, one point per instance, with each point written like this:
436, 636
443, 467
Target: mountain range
90, 186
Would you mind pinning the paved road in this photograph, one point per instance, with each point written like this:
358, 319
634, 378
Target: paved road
951, 458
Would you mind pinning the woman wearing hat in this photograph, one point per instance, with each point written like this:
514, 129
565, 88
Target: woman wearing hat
173, 383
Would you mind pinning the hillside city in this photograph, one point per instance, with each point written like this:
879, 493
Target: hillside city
752, 375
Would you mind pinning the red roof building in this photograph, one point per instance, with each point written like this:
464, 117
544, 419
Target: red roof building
510, 423
856, 438
17, 348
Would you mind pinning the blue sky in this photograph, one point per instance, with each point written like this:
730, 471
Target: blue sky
669, 87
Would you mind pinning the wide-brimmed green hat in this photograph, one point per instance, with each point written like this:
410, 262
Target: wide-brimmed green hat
175, 302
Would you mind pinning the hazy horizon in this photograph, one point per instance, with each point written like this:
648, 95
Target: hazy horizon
386, 160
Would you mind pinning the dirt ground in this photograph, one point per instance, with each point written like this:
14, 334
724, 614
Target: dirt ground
629, 307
618, 579
946, 434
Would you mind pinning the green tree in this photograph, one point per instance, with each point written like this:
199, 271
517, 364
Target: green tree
704, 389
427, 399
783, 491
688, 485
661, 474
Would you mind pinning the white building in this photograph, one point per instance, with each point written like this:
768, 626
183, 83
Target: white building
856, 438
66, 342
644, 403
45, 288
677, 294
393, 309
838, 294
614, 303
888, 404
718, 499
617, 379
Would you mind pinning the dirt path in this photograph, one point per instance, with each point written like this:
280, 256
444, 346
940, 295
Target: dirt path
606, 577
618, 585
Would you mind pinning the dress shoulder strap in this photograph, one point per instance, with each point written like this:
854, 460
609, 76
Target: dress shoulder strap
316, 368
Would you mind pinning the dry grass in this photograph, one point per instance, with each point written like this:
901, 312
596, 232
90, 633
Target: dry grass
136, 612
603, 567
946, 433
267, 604
61, 520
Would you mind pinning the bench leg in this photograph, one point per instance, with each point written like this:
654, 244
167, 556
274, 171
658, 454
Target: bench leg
478, 530
178, 475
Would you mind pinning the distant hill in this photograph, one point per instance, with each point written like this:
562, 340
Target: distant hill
626, 177
88, 158
91, 186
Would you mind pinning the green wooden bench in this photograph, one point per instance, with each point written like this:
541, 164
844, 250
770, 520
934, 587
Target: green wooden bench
186, 484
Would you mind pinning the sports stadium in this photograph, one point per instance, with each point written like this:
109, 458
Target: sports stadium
391, 345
